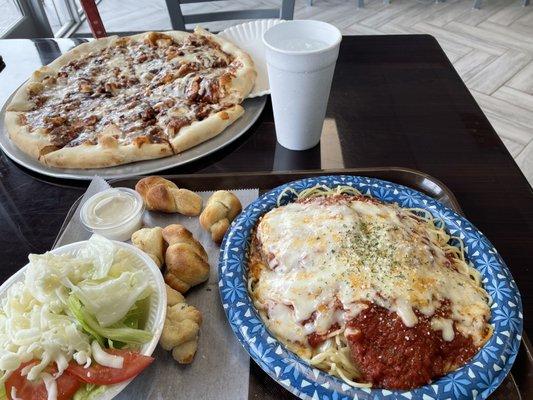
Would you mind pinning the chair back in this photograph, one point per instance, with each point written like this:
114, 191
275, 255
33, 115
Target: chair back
179, 20
93, 19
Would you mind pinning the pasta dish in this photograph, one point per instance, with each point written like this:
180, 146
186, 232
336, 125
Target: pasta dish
373, 293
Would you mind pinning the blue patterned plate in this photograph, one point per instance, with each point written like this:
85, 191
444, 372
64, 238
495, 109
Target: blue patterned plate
476, 380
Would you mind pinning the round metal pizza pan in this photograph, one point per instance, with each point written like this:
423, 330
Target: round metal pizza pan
253, 108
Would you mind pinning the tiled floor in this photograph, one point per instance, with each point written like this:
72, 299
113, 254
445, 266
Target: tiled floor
491, 48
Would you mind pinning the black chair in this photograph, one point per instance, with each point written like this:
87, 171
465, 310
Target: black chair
179, 20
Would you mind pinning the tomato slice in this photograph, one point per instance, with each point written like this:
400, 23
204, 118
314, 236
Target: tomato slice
133, 364
67, 385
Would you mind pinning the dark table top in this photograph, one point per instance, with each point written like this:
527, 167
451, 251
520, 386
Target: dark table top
395, 101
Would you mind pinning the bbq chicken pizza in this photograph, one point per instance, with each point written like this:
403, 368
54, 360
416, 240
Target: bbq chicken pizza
118, 100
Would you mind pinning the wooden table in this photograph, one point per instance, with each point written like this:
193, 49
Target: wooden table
395, 101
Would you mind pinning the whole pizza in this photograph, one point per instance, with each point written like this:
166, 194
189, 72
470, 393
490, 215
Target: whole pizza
118, 100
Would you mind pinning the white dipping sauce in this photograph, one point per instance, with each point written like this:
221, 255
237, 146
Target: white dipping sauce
110, 209
114, 213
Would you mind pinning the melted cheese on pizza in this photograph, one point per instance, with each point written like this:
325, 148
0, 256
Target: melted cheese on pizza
134, 89
320, 263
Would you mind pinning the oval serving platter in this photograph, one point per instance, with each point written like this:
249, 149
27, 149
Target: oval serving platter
156, 313
475, 380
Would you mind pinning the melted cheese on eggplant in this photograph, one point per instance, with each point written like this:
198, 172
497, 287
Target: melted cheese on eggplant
354, 252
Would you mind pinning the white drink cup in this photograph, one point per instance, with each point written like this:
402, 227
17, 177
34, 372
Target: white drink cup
301, 57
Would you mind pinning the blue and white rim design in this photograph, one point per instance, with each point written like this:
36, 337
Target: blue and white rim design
476, 380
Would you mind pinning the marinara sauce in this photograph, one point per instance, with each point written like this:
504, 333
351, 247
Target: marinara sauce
394, 356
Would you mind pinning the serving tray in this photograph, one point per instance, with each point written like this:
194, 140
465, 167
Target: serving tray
261, 386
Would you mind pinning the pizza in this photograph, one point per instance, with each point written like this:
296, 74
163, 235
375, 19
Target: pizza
118, 100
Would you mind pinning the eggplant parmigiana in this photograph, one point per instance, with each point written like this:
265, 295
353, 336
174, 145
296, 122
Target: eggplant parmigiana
370, 292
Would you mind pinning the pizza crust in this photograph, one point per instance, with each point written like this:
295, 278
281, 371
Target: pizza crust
176, 35
20, 100
244, 80
200, 131
32, 143
80, 51
100, 155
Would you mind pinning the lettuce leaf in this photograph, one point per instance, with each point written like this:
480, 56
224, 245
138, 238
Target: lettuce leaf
46, 273
119, 332
101, 252
88, 392
110, 300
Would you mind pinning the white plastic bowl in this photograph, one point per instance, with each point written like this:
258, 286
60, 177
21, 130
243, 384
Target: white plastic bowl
158, 300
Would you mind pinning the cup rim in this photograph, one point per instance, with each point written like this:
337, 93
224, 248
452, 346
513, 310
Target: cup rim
304, 52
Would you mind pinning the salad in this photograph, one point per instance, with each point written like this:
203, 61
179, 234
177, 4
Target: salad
74, 325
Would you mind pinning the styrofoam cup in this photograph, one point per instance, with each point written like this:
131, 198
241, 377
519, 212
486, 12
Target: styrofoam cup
301, 57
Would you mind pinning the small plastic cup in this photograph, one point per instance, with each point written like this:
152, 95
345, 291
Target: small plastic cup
113, 213
301, 58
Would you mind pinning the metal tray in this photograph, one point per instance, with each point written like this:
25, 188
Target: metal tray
253, 109
261, 385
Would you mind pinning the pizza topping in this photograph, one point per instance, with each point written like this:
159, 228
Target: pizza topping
150, 88
166, 103
172, 52
156, 134
209, 90
65, 134
158, 39
168, 77
55, 120
122, 42
197, 41
76, 64
35, 88
201, 112
49, 80
192, 88
72, 105
40, 100
176, 124
91, 120
146, 77
85, 86
142, 58
187, 68
111, 87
